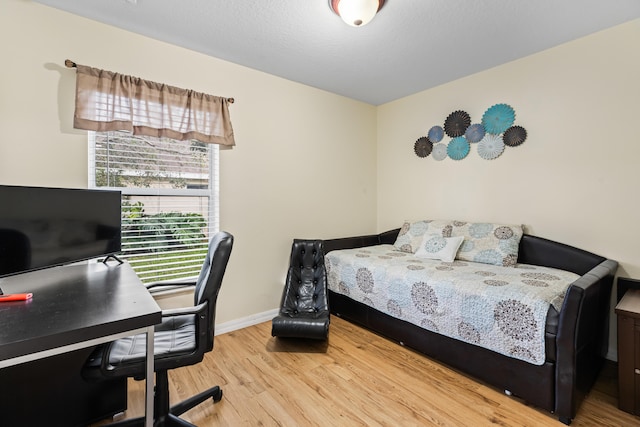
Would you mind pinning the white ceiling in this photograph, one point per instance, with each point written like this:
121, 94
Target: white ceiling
410, 46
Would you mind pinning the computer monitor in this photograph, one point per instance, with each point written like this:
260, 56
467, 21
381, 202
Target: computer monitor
43, 227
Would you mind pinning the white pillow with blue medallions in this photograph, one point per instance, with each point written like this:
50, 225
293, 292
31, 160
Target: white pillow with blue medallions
411, 233
434, 246
488, 243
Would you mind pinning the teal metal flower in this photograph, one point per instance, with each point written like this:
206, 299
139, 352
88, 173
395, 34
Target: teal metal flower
498, 118
458, 148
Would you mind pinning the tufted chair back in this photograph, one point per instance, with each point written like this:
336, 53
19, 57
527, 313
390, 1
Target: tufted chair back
306, 279
304, 308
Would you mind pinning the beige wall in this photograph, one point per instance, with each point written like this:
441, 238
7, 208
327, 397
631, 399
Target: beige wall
304, 165
575, 179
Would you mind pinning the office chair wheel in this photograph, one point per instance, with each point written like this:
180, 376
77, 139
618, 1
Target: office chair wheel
217, 397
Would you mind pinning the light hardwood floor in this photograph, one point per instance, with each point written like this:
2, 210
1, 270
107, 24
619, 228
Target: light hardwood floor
356, 379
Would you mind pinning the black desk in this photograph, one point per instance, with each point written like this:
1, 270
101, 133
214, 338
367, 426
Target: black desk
74, 307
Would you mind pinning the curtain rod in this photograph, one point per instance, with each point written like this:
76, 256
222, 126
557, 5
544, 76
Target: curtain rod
70, 64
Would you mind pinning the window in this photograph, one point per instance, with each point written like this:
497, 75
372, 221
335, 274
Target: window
169, 199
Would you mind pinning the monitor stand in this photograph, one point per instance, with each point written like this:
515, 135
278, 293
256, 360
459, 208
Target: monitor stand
112, 256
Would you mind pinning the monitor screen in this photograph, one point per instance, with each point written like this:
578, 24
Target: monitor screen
44, 227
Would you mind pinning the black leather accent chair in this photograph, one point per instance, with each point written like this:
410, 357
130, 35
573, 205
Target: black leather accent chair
182, 339
304, 308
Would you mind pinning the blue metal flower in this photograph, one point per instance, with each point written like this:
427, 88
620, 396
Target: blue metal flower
436, 133
498, 118
458, 148
475, 133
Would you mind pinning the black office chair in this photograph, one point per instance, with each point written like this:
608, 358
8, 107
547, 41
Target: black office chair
182, 339
304, 308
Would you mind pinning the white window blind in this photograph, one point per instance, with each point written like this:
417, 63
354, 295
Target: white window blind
169, 199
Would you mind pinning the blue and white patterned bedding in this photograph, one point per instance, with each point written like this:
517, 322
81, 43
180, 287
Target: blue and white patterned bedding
503, 309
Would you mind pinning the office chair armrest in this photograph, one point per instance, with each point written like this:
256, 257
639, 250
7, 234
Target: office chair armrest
172, 285
185, 310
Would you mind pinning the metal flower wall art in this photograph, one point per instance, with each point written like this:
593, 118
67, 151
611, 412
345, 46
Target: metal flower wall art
495, 132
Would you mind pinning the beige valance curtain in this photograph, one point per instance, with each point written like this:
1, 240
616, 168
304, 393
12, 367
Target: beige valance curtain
108, 101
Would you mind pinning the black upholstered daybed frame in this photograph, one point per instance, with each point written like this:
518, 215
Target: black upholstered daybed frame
579, 333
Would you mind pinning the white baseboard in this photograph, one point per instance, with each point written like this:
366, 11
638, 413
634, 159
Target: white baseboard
244, 322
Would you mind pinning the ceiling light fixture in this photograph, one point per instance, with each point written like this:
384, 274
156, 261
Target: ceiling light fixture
356, 12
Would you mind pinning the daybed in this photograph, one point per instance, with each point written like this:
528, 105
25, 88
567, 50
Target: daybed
575, 337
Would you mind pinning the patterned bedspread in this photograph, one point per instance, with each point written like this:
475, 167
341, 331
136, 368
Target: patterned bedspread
503, 309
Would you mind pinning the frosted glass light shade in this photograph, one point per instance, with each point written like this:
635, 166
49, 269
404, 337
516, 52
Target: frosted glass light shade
357, 12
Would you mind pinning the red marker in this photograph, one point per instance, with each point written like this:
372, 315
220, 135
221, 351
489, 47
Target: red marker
16, 297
